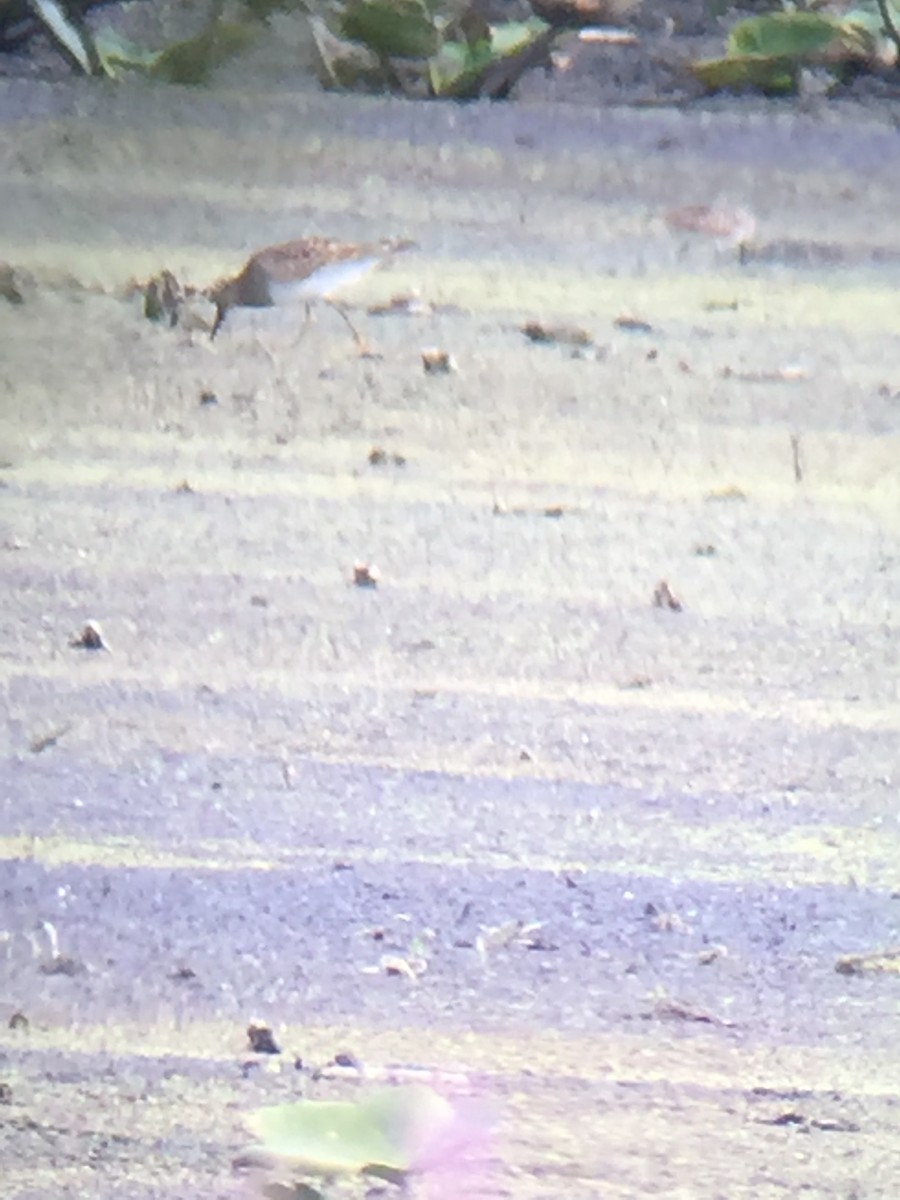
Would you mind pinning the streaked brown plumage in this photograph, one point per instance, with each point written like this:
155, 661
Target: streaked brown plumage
303, 269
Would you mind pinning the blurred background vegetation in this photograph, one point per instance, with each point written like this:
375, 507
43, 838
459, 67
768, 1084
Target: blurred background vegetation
453, 49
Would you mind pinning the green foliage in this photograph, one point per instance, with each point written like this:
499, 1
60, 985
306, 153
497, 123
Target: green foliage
188, 62
400, 45
395, 28
768, 52
261, 10
460, 56
782, 35
389, 1135
460, 67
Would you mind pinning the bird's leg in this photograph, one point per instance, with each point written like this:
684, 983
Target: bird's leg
365, 349
221, 310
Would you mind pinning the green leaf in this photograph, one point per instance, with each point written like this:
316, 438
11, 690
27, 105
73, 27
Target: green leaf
188, 62
773, 76
394, 28
192, 61
460, 67
768, 52
512, 36
385, 1135
118, 54
792, 36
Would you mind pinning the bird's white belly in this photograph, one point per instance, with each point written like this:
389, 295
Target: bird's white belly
323, 282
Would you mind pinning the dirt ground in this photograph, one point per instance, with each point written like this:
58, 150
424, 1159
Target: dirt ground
621, 850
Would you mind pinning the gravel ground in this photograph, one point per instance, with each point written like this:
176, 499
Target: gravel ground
621, 847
